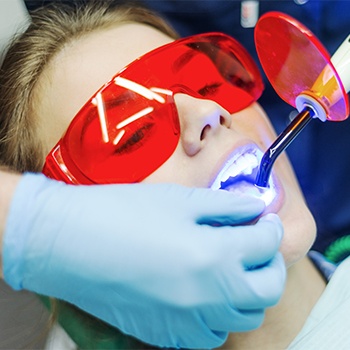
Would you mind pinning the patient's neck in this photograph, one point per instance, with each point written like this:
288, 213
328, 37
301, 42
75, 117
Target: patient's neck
283, 322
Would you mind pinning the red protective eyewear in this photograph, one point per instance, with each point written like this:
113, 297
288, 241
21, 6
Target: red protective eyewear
130, 127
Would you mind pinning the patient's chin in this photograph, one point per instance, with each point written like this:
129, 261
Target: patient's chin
299, 235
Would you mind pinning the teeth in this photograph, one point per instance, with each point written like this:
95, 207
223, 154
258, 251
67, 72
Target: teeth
242, 164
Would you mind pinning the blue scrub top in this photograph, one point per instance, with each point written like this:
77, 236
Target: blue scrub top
321, 154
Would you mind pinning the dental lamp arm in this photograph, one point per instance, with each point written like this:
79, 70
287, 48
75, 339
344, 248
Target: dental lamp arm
280, 144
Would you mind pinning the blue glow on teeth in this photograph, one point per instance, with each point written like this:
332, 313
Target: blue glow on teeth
238, 176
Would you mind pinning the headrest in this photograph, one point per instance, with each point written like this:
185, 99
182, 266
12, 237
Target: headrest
14, 18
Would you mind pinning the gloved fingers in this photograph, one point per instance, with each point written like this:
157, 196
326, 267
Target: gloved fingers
262, 241
222, 208
261, 287
175, 328
229, 319
193, 330
253, 244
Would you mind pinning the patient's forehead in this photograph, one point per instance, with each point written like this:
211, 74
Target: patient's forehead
82, 67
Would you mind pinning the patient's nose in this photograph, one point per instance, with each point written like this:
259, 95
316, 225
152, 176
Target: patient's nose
200, 120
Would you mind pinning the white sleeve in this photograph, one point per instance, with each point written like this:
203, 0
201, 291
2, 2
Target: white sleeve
327, 326
59, 339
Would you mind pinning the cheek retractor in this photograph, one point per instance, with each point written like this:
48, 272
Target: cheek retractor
302, 73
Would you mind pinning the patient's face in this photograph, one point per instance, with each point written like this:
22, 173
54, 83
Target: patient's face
209, 134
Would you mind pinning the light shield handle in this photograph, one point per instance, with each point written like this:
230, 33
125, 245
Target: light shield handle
341, 62
331, 86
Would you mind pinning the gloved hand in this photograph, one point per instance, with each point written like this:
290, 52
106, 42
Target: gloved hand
143, 257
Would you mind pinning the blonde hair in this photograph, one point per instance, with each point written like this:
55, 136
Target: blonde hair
52, 27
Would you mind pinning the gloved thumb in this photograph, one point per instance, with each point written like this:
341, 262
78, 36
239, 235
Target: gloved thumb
223, 208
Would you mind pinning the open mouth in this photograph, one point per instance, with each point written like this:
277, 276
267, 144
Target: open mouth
239, 172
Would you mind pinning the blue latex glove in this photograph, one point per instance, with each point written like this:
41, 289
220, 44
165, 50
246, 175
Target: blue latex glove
141, 257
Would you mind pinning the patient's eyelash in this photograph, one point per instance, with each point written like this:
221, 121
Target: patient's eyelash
134, 141
209, 89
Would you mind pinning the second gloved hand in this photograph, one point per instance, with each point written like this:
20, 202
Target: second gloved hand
145, 258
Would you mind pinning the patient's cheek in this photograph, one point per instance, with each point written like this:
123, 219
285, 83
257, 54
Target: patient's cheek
254, 124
